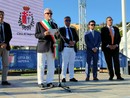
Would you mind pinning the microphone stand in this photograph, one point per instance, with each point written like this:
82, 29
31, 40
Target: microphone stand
59, 82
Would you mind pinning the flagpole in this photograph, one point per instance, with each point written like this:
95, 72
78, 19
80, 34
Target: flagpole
124, 33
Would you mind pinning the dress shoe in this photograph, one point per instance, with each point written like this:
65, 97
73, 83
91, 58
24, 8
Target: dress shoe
41, 85
111, 78
87, 79
95, 79
63, 80
5, 83
120, 78
50, 85
73, 80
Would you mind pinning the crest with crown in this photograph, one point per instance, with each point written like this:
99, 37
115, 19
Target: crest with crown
26, 8
26, 19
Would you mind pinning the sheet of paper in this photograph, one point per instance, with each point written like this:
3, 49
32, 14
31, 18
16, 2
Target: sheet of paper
52, 31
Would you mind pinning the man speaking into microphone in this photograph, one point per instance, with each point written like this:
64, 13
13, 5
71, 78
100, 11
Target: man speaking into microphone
45, 49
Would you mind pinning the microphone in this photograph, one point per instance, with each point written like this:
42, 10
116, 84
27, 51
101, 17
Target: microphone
51, 20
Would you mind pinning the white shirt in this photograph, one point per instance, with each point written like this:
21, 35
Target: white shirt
92, 32
112, 32
110, 27
67, 34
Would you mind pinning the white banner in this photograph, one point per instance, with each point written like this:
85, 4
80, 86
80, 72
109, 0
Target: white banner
22, 15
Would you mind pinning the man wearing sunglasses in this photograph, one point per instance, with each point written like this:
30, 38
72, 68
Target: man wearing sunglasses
45, 49
92, 41
111, 38
67, 46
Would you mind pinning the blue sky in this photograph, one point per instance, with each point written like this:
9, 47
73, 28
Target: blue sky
97, 10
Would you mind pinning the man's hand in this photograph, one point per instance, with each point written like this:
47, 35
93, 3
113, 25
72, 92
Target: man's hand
3, 45
95, 50
46, 33
57, 34
112, 47
71, 43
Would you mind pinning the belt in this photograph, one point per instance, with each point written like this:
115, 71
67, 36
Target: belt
69, 46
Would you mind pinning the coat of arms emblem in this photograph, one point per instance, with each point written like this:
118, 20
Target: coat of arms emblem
26, 19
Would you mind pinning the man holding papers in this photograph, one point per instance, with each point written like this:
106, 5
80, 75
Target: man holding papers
45, 48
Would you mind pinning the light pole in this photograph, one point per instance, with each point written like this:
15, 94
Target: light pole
82, 22
123, 2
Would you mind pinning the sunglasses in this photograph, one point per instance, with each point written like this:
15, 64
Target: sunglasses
110, 20
48, 13
92, 24
67, 20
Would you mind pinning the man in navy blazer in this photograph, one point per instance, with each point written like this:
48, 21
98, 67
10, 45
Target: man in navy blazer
92, 41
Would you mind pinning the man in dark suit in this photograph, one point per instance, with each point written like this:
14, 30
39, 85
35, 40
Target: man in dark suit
5, 37
111, 38
92, 41
68, 40
45, 49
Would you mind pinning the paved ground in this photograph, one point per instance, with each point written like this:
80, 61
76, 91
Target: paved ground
26, 87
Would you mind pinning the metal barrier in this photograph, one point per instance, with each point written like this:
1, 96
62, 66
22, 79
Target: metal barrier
27, 59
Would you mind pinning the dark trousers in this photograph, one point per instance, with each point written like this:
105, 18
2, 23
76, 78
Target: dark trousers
112, 57
92, 57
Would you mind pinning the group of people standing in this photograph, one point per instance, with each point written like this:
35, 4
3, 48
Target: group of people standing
109, 39
45, 50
